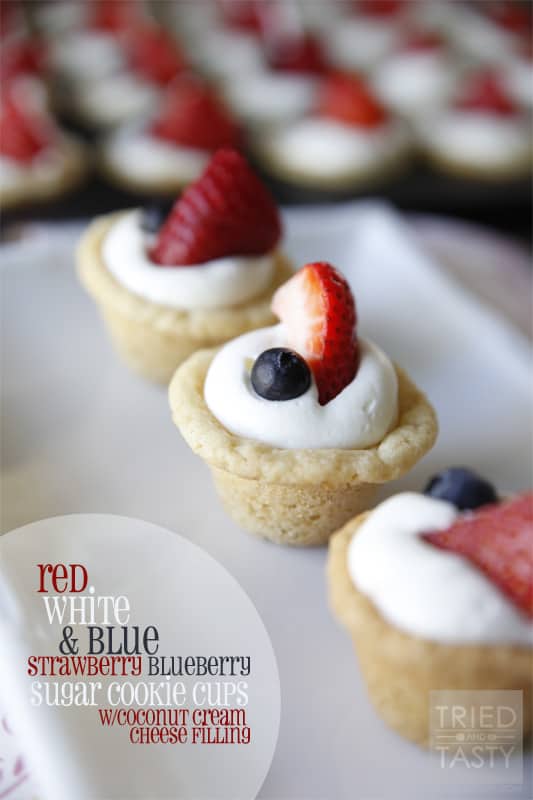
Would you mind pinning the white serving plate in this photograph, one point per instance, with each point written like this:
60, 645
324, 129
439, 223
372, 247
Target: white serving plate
80, 433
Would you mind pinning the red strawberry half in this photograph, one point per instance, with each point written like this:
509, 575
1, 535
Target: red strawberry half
227, 211
21, 56
192, 115
348, 99
317, 308
485, 92
379, 8
244, 15
114, 16
423, 41
24, 132
298, 54
512, 16
498, 539
153, 54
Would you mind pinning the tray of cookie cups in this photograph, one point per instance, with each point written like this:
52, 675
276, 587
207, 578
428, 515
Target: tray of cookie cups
112, 68
301, 422
38, 161
418, 74
162, 152
436, 591
482, 133
170, 284
349, 141
284, 89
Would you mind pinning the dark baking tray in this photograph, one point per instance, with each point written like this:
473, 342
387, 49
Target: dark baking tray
505, 205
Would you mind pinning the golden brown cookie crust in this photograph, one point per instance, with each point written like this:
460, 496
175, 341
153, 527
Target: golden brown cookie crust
518, 168
400, 670
413, 435
355, 178
299, 515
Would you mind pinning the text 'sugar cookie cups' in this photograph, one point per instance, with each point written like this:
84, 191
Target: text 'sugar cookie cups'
205, 274
302, 421
437, 595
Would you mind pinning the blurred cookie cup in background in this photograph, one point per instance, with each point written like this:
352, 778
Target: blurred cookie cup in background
39, 162
349, 141
161, 153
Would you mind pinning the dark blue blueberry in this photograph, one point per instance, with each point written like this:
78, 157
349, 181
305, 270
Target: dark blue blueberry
154, 214
462, 487
280, 374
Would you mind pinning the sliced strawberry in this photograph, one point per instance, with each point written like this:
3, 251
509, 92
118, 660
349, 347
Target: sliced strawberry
9, 17
192, 115
498, 539
317, 308
114, 16
24, 132
21, 56
227, 211
244, 15
153, 54
423, 41
484, 91
512, 16
348, 99
298, 54
379, 8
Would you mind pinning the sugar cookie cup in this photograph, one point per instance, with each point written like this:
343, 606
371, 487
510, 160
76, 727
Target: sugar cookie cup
129, 182
50, 185
296, 496
349, 140
400, 670
154, 339
352, 178
514, 168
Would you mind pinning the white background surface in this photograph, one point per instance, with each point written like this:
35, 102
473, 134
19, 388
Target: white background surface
80, 433
198, 609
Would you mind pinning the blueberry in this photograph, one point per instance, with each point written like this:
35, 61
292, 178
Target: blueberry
154, 214
462, 487
280, 374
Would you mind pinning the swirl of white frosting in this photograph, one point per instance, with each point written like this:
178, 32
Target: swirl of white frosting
222, 282
360, 43
358, 417
227, 54
270, 97
413, 82
86, 55
422, 589
117, 99
133, 152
